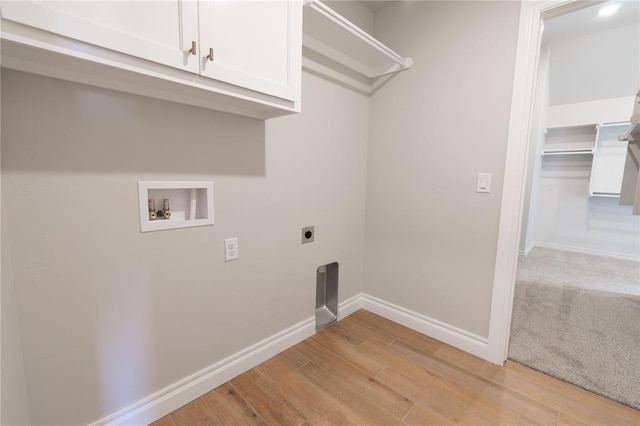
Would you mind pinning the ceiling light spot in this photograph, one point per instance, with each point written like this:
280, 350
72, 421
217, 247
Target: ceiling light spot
609, 9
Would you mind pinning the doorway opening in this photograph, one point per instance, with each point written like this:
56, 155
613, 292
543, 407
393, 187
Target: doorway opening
577, 281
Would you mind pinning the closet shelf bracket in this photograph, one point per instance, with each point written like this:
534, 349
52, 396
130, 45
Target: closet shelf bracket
632, 135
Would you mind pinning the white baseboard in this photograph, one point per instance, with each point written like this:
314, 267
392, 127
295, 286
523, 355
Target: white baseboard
349, 306
182, 392
526, 251
613, 255
446, 333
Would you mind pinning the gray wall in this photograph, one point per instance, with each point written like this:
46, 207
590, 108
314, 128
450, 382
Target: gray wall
430, 238
355, 12
109, 315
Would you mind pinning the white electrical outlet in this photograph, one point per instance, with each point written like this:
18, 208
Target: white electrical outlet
230, 249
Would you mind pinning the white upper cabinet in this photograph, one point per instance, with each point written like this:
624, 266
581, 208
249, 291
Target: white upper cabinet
252, 44
159, 31
234, 55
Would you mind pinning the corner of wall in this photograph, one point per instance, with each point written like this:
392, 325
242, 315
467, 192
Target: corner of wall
14, 404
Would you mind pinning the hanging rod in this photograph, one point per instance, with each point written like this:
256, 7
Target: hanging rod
348, 26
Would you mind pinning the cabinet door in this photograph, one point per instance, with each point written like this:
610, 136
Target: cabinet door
159, 31
256, 44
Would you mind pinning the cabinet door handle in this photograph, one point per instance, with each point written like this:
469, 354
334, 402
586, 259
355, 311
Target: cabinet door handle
193, 48
210, 55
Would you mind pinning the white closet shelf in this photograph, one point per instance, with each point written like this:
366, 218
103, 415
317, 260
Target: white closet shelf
576, 151
616, 124
354, 57
576, 139
590, 126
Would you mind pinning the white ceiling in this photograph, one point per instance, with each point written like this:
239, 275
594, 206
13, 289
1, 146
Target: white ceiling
587, 21
580, 22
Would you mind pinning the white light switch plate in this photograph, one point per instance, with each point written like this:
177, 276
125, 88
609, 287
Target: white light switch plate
484, 182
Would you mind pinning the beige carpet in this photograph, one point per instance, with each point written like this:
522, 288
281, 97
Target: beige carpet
577, 317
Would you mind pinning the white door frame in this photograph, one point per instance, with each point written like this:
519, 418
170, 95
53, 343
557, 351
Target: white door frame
532, 15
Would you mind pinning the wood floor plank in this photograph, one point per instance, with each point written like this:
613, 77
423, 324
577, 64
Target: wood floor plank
367, 370
577, 403
197, 412
474, 406
566, 420
473, 364
575, 392
401, 350
463, 373
368, 332
421, 415
379, 393
410, 361
528, 421
451, 410
229, 407
318, 407
272, 406
165, 421
293, 358
376, 322
350, 336
348, 397
348, 352
476, 366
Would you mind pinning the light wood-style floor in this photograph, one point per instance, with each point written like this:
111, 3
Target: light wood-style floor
366, 370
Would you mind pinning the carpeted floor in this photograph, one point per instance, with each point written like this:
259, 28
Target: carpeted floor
577, 317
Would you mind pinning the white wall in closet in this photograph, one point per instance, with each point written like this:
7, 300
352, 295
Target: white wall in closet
588, 67
596, 66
